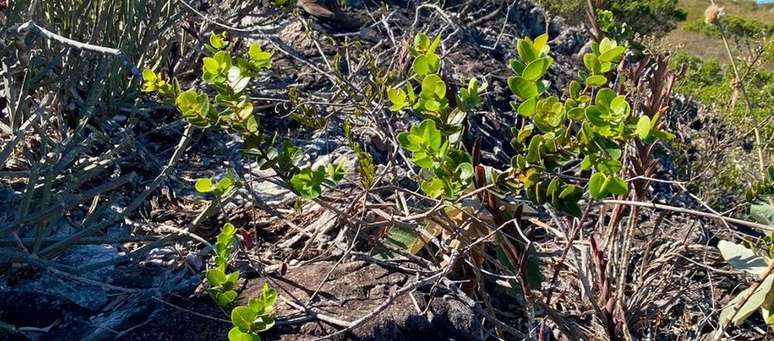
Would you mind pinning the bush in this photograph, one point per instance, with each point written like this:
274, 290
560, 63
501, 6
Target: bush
644, 17
709, 82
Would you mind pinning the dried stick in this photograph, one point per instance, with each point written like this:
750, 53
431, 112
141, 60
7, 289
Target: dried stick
32, 27
688, 211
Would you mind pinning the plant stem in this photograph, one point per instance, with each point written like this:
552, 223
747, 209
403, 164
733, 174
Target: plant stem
748, 107
652, 205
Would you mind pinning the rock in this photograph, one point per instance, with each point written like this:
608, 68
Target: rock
84, 295
356, 289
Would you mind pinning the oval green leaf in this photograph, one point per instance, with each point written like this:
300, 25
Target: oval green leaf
536, 69
596, 80
204, 185
523, 88
643, 127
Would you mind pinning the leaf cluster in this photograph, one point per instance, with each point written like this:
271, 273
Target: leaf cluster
305, 181
219, 187
255, 317
589, 125
450, 168
232, 110
222, 282
431, 100
434, 143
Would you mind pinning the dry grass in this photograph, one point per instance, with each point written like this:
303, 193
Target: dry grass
741, 8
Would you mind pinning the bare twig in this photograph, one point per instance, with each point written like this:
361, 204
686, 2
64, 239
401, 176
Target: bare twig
689, 211
32, 27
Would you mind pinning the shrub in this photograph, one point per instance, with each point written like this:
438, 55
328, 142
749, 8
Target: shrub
643, 17
588, 129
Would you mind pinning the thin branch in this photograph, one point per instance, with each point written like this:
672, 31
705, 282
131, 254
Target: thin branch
689, 211
32, 27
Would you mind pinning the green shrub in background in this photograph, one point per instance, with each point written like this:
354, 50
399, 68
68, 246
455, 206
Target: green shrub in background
644, 17
708, 81
725, 179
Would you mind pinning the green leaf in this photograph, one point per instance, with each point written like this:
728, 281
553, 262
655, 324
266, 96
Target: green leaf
465, 170
576, 113
608, 166
228, 230
434, 45
224, 185
517, 66
408, 143
149, 76
431, 134
526, 50
216, 277
594, 114
210, 65
194, 106
587, 162
604, 97
421, 41
259, 58
591, 63
434, 187
217, 41
252, 124
742, 258
753, 303
263, 323
308, 183
596, 80
237, 335
232, 278
616, 185
204, 185
398, 98
533, 151
540, 44
537, 68
643, 127
242, 317
612, 54
433, 85
527, 108
268, 295
607, 44
575, 89
426, 64
596, 183
431, 105
550, 113
225, 298
611, 148
620, 107
523, 88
